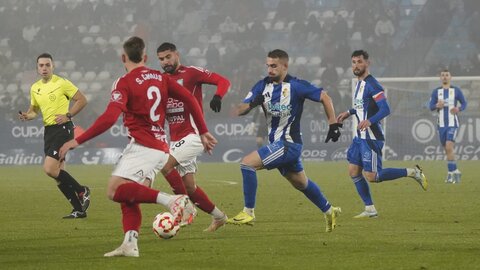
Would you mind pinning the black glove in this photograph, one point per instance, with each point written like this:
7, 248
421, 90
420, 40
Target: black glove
258, 100
333, 132
216, 103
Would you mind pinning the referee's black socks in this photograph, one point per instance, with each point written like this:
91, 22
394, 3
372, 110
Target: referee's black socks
70, 195
66, 178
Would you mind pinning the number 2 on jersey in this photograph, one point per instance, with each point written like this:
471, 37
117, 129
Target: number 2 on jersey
150, 94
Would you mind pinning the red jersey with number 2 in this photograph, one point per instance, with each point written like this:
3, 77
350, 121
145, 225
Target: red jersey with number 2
142, 95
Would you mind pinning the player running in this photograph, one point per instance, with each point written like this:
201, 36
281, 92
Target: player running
445, 101
185, 144
282, 97
365, 153
141, 95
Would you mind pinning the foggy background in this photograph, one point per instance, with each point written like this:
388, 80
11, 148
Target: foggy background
404, 38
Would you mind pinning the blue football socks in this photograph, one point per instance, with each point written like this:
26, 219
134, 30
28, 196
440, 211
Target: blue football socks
363, 189
313, 193
249, 185
391, 174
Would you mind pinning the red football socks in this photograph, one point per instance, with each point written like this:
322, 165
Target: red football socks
131, 217
201, 200
176, 182
135, 193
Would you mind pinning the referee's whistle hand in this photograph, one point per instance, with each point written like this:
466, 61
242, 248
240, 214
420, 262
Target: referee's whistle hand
22, 116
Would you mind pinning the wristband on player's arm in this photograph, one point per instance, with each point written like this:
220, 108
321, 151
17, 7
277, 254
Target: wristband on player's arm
352, 111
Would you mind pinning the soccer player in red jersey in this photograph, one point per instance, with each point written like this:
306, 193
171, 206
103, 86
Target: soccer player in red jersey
141, 95
185, 143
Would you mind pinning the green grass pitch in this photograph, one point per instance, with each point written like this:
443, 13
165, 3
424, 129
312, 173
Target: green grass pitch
437, 229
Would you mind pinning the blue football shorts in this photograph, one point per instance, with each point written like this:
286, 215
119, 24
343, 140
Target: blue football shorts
366, 154
447, 134
282, 155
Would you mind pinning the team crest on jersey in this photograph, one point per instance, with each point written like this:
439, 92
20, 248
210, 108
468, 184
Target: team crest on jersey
116, 96
285, 92
52, 97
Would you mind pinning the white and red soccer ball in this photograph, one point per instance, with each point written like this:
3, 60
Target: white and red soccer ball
164, 225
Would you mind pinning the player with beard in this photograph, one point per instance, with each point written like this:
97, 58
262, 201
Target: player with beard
282, 97
185, 144
141, 97
365, 153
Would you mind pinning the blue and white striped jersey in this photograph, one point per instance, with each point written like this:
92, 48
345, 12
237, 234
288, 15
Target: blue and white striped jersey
367, 93
451, 97
283, 106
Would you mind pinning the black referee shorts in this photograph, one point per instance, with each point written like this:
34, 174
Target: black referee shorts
55, 136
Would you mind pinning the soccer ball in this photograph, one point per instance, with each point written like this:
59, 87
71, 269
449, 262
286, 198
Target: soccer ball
164, 225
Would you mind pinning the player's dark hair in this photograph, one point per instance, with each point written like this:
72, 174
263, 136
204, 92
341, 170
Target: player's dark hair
134, 48
166, 46
277, 53
360, 53
45, 55
444, 70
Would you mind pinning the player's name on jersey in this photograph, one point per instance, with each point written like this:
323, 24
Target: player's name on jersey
148, 76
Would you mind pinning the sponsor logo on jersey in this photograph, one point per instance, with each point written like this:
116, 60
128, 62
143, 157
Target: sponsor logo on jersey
279, 110
175, 106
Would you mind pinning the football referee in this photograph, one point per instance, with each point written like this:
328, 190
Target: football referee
51, 96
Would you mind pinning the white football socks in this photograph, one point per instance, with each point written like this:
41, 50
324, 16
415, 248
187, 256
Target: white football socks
164, 198
249, 211
131, 237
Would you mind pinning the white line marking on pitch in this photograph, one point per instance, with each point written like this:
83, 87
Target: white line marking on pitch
224, 181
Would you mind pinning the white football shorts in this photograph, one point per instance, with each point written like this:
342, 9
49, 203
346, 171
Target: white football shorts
185, 152
138, 161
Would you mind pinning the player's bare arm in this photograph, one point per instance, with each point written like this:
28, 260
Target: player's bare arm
342, 116
440, 104
208, 142
245, 108
364, 124
79, 102
328, 107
